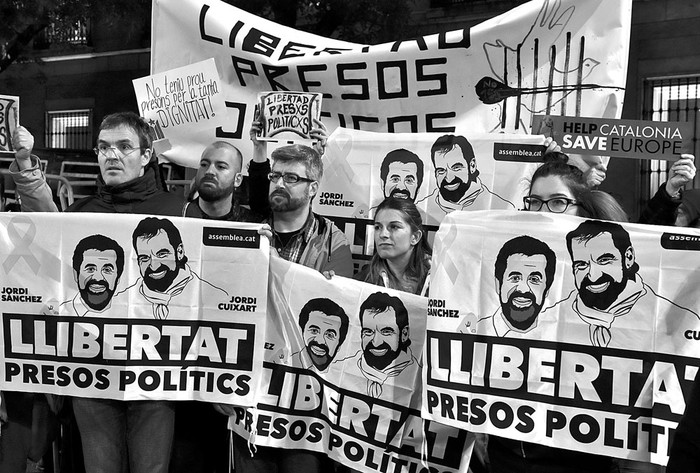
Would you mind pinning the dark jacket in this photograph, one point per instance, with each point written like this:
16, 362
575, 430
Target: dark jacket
238, 213
327, 250
661, 208
143, 195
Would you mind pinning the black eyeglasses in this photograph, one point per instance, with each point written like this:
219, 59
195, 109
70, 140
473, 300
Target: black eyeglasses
555, 205
288, 177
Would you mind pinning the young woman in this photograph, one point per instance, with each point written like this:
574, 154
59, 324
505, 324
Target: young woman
402, 257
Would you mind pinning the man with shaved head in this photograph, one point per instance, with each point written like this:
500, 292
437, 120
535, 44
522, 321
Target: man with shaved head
218, 177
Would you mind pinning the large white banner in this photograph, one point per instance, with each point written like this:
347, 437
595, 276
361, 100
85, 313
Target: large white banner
342, 376
439, 172
552, 329
143, 308
547, 56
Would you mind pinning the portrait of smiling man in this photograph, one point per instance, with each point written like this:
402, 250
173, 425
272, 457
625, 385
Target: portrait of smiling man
458, 186
611, 298
162, 262
385, 342
324, 326
524, 272
98, 263
401, 174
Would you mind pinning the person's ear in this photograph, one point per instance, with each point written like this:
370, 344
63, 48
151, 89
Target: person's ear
75, 276
237, 180
629, 257
313, 188
415, 237
180, 252
145, 157
404, 334
472, 165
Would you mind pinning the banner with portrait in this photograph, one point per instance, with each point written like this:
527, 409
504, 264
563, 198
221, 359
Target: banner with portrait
342, 376
553, 329
561, 57
143, 308
439, 172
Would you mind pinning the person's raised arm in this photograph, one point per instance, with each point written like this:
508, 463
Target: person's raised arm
34, 193
259, 168
662, 207
681, 173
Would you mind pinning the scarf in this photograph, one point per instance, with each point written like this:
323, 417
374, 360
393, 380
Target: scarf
600, 321
377, 378
160, 300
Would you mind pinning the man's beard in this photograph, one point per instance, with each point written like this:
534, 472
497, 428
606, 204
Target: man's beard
456, 195
401, 194
215, 193
381, 362
321, 362
287, 203
162, 284
96, 300
521, 318
601, 300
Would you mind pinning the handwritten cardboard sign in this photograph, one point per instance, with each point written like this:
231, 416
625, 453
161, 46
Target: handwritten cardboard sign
182, 99
288, 115
9, 120
620, 138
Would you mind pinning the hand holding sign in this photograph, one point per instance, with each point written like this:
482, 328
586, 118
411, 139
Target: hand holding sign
23, 142
681, 173
288, 115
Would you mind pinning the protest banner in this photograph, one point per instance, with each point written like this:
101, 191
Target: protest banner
9, 120
183, 104
342, 376
573, 333
146, 308
640, 139
288, 115
546, 56
439, 172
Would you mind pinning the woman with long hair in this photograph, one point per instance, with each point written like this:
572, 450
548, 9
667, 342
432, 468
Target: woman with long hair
402, 253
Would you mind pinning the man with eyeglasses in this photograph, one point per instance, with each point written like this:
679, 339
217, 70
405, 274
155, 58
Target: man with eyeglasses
116, 435
283, 192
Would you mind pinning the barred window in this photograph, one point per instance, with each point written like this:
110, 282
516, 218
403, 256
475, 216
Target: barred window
668, 100
71, 129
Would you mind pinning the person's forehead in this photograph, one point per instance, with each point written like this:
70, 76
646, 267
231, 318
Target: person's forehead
95, 256
550, 186
452, 156
405, 168
220, 155
290, 166
119, 134
386, 216
316, 317
519, 261
160, 240
380, 319
602, 242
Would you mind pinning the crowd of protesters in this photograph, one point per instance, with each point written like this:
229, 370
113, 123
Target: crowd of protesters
164, 436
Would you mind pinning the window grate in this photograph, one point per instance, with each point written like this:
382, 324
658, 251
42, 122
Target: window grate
668, 100
69, 129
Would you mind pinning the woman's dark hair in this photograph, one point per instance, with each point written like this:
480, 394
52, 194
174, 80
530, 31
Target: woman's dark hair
601, 205
556, 165
419, 264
